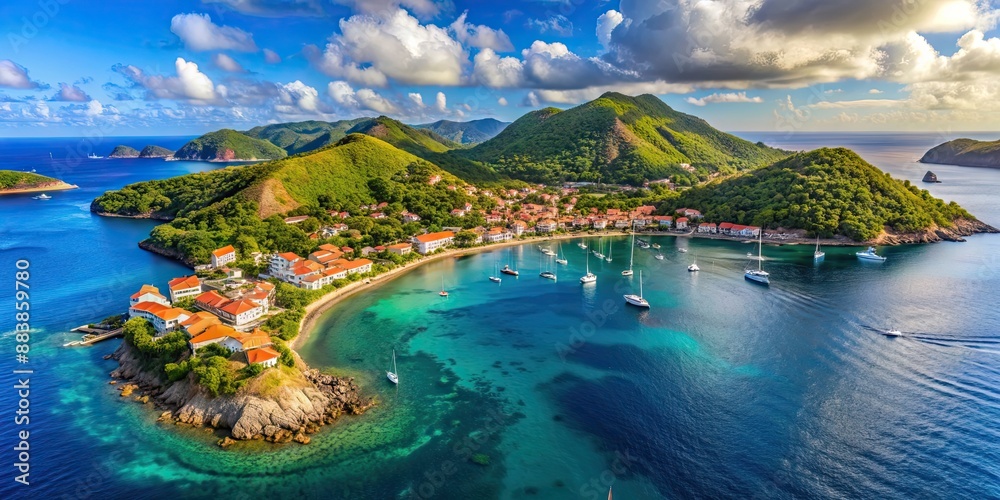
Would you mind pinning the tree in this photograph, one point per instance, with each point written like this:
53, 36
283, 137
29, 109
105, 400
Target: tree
465, 238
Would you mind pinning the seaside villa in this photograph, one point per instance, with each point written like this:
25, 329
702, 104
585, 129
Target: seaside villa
265, 356
427, 243
164, 318
148, 293
189, 286
223, 256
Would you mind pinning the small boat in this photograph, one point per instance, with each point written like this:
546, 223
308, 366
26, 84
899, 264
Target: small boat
818, 254
656, 246
693, 268
392, 375
92, 156
892, 333
659, 256
758, 275
631, 258
42, 196
548, 275
582, 245
561, 260
642, 244
870, 255
589, 277
443, 292
610, 248
637, 300
496, 278
508, 270
548, 252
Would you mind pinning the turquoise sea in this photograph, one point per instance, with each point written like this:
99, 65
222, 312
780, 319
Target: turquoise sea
723, 389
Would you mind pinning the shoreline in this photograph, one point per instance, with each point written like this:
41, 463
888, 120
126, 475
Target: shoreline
59, 186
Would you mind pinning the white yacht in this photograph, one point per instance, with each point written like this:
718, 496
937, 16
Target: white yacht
611, 247
818, 254
870, 255
682, 250
548, 252
92, 156
637, 300
496, 274
659, 256
693, 268
582, 245
42, 196
589, 277
392, 375
758, 275
892, 333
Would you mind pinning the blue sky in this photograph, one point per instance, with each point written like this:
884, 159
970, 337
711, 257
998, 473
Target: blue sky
70, 67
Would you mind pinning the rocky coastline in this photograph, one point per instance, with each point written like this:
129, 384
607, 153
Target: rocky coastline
290, 412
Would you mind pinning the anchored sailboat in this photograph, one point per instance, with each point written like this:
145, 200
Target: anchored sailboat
392, 375
589, 277
631, 258
818, 254
637, 300
758, 275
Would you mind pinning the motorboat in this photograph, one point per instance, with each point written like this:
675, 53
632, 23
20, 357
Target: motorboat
870, 255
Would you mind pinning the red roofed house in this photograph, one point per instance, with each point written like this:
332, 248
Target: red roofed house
223, 256
245, 341
148, 293
708, 227
212, 335
357, 266
211, 301
240, 312
281, 265
184, 287
682, 223
519, 227
400, 248
546, 226
427, 243
263, 356
199, 322
164, 318
725, 227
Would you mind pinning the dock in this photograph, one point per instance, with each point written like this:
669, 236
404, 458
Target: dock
94, 335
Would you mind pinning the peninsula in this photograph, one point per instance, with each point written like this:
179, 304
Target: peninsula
14, 182
965, 153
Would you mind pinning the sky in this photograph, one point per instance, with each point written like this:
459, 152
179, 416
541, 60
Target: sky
75, 67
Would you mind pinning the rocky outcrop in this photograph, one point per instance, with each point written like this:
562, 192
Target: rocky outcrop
957, 232
289, 413
930, 177
122, 151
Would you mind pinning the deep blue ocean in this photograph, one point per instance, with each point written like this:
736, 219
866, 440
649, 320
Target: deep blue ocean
723, 389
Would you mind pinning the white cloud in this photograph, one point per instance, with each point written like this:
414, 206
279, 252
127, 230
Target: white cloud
14, 76
423, 8
273, 8
441, 103
502, 101
480, 36
342, 93
833, 91
860, 103
271, 57
199, 33
733, 97
369, 99
417, 99
226, 63
369, 50
558, 24
94, 108
364, 99
189, 84
70, 93
297, 97
491, 70
874, 91
607, 23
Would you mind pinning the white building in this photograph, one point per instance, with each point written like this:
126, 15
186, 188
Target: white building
223, 256
189, 286
427, 243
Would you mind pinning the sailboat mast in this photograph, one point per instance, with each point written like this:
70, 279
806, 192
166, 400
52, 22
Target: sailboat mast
760, 250
631, 256
640, 284
394, 361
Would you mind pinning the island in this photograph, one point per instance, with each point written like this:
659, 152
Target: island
122, 151
229, 145
151, 151
930, 178
965, 153
14, 182
273, 244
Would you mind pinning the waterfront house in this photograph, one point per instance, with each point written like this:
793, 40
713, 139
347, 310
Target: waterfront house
519, 227
546, 226
496, 235
241, 312
164, 318
600, 223
148, 293
189, 286
427, 243
400, 248
708, 228
282, 263
223, 256
682, 223
211, 335
357, 266
240, 342
265, 356
665, 221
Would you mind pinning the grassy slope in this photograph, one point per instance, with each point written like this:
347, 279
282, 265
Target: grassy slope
618, 138
215, 145
826, 191
11, 179
965, 152
301, 137
154, 152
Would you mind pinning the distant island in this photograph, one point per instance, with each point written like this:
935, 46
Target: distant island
14, 182
229, 145
122, 151
965, 153
470, 132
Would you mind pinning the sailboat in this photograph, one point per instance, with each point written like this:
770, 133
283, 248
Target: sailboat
496, 275
582, 245
694, 267
392, 375
589, 277
631, 258
637, 300
507, 270
560, 257
818, 254
758, 275
548, 274
611, 246
443, 292
600, 246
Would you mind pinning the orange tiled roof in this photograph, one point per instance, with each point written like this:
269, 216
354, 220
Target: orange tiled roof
211, 298
239, 307
214, 332
223, 251
147, 289
354, 264
150, 307
399, 246
184, 283
254, 340
172, 313
289, 256
261, 355
429, 237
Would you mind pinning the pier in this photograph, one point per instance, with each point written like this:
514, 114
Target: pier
93, 335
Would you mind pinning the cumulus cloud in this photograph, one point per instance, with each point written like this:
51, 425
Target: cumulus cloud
558, 24
441, 103
271, 57
492, 70
502, 101
296, 98
369, 99
423, 8
70, 93
416, 99
874, 91
226, 63
607, 23
480, 36
15, 76
364, 99
189, 83
860, 103
369, 50
199, 33
273, 8
733, 97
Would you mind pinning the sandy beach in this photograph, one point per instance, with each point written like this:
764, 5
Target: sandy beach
52, 186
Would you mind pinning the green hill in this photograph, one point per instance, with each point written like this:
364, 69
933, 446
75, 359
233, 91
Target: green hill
301, 137
617, 138
470, 132
966, 153
12, 179
827, 192
122, 151
212, 209
227, 145
155, 152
